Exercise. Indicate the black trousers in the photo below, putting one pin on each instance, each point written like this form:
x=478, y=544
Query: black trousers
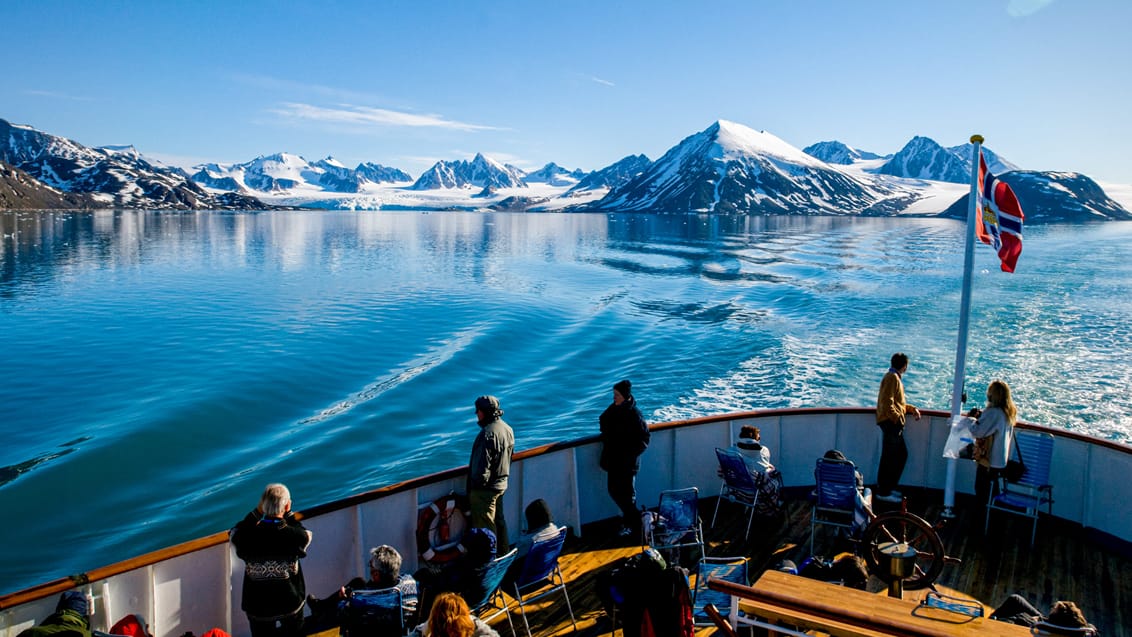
x=291, y=626
x=623, y=489
x=893, y=456
x=985, y=478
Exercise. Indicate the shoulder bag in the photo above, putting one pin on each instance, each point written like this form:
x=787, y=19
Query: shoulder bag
x=1015, y=469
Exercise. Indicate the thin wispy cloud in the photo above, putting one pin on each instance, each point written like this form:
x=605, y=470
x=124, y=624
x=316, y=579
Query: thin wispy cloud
x=57, y=95
x=1022, y=8
x=594, y=78
x=365, y=116
x=294, y=87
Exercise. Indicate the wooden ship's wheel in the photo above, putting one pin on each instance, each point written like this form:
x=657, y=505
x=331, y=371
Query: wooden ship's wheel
x=918, y=536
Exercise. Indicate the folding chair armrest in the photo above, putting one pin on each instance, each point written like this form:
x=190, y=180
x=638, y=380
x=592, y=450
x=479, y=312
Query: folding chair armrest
x=720, y=621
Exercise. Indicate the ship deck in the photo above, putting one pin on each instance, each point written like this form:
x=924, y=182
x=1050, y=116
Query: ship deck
x=1066, y=562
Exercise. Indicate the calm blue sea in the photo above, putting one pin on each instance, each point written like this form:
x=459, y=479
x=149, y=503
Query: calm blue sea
x=158, y=369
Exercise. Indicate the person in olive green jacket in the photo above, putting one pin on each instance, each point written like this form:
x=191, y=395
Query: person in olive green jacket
x=70, y=619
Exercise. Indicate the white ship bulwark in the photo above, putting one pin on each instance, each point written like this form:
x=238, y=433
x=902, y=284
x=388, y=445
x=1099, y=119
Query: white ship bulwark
x=196, y=585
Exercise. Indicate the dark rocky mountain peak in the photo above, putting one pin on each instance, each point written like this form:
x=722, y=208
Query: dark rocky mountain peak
x=923, y=158
x=1053, y=197
x=480, y=172
x=834, y=152
x=108, y=178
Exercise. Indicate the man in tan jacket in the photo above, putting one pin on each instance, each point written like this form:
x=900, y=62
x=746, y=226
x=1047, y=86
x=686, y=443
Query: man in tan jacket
x=891, y=411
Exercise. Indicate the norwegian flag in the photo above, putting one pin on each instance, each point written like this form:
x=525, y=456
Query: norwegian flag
x=1000, y=217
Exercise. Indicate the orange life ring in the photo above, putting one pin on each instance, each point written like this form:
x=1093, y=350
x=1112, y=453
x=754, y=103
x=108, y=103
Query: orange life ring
x=440, y=529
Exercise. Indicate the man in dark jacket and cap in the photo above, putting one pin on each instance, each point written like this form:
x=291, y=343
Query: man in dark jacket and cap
x=488, y=469
x=624, y=437
x=70, y=619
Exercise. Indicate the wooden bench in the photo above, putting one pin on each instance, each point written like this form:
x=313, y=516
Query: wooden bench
x=792, y=600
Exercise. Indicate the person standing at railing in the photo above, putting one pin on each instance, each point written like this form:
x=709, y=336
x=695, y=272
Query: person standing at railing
x=624, y=437
x=488, y=469
x=271, y=542
x=891, y=412
x=996, y=422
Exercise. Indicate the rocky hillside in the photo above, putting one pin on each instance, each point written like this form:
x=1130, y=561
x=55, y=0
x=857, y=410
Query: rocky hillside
x=21, y=191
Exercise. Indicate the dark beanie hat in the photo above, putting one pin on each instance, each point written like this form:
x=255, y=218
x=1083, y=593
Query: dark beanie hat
x=479, y=545
x=73, y=600
x=625, y=388
x=489, y=405
x=538, y=514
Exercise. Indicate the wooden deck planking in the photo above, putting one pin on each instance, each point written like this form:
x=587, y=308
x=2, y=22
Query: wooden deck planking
x=1063, y=564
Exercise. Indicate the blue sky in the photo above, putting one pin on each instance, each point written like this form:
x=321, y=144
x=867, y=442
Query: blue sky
x=579, y=83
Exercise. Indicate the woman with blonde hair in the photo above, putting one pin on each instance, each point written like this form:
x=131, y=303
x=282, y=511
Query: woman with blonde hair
x=997, y=420
x=450, y=617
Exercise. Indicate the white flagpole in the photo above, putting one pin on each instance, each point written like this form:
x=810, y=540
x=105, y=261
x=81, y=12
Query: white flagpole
x=964, y=315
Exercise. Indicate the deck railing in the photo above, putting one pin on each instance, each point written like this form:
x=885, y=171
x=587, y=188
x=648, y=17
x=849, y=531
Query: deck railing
x=196, y=585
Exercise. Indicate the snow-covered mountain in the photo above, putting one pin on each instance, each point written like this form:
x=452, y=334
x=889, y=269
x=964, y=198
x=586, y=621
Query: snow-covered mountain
x=730, y=168
x=378, y=174
x=996, y=164
x=835, y=152
x=481, y=172
x=1053, y=197
x=554, y=175
x=923, y=158
x=727, y=168
x=284, y=172
x=616, y=174
x=111, y=178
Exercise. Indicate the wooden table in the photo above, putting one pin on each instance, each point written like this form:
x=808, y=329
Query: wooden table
x=846, y=612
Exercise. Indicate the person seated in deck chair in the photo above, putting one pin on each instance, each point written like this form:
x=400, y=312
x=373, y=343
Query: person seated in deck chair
x=384, y=572
x=863, y=512
x=70, y=619
x=756, y=456
x=1063, y=615
x=462, y=573
x=540, y=527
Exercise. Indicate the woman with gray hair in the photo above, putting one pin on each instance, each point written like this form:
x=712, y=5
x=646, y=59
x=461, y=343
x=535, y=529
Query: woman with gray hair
x=384, y=572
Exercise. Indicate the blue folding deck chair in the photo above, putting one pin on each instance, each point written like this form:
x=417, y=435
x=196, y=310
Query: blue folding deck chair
x=484, y=597
x=731, y=569
x=540, y=569
x=738, y=485
x=374, y=613
x=678, y=524
x=836, y=495
x=1026, y=496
